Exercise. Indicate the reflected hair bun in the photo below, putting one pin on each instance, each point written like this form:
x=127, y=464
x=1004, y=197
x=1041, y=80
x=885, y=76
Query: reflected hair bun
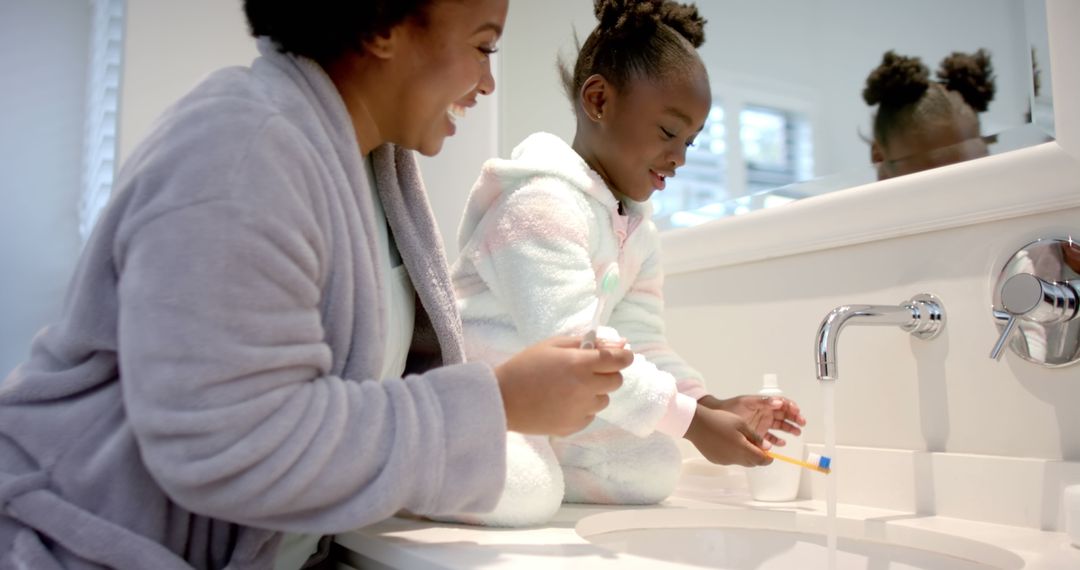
x=970, y=75
x=633, y=17
x=898, y=81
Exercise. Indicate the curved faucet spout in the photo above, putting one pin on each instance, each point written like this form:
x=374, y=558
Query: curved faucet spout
x=922, y=316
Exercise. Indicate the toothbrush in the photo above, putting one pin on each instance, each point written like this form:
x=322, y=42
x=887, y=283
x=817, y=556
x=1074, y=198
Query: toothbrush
x=605, y=288
x=814, y=462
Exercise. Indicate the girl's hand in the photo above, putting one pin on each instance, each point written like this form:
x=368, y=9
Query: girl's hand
x=725, y=438
x=762, y=413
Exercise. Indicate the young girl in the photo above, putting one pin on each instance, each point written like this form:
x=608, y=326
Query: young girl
x=542, y=229
x=922, y=123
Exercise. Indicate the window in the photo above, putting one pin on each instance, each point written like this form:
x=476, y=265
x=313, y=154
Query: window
x=776, y=148
x=102, y=98
x=744, y=153
x=698, y=180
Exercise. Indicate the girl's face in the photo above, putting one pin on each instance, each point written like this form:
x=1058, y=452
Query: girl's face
x=644, y=132
x=444, y=62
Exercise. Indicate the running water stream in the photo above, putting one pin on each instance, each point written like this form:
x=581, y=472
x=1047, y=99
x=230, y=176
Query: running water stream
x=830, y=480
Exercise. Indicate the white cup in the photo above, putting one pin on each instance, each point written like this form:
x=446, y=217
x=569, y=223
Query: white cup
x=778, y=481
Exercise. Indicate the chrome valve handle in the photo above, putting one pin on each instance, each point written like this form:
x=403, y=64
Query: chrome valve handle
x=1036, y=303
x=1025, y=296
x=1005, y=334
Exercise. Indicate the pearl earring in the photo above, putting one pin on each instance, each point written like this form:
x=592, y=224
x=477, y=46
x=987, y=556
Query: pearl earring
x=598, y=115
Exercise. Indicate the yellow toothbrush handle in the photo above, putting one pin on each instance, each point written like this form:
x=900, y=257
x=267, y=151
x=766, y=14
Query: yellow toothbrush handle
x=794, y=461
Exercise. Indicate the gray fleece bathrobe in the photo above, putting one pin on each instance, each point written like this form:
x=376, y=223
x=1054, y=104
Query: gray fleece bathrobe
x=211, y=382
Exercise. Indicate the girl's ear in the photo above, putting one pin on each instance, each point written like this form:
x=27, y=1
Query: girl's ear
x=595, y=95
x=876, y=154
x=877, y=158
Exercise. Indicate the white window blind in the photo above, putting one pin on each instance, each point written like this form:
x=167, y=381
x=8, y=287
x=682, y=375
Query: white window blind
x=102, y=102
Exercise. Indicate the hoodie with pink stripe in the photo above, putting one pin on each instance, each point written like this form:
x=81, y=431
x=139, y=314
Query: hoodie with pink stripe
x=538, y=233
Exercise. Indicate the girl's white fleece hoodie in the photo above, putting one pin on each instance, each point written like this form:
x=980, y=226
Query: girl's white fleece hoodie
x=538, y=233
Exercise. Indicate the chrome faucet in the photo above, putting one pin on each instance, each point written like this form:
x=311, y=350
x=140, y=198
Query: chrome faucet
x=923, y=316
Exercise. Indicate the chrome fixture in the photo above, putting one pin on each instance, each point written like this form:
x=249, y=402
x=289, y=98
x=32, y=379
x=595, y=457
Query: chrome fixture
x=1037, y=303
x=923, y=316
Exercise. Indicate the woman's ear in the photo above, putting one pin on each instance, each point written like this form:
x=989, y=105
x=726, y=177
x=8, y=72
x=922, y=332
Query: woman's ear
x=594, y=97
x=383, y=45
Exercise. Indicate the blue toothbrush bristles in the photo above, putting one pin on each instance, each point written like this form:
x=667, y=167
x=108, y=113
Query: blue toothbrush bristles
x=820, y=460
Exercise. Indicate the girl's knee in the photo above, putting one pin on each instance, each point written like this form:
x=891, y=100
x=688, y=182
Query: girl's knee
x=631, y=472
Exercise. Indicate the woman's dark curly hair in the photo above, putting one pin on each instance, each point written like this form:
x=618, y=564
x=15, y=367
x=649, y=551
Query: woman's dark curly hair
x=325, y=30
x=906, y=96
x=637, y=38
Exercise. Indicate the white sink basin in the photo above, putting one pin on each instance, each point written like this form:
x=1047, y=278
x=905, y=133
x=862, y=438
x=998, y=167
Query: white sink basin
x=764, y=539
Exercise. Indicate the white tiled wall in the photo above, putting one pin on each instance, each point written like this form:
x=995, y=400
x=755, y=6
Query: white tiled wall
x=735, y=323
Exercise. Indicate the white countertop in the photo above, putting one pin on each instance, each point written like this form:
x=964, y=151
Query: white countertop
x=420, y=544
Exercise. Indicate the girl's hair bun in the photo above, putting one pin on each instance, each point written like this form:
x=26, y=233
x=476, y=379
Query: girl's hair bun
x=898, y=81
x=970, y=75
x=629, y=17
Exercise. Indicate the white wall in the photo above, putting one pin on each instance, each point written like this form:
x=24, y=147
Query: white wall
x=43, y=56
x=735, y=323
x=168, y=48
x=531, y=98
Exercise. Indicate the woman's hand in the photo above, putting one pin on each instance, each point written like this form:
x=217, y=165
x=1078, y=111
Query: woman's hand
x=556, y=388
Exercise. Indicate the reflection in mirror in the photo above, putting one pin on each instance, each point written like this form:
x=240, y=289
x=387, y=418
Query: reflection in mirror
x=788, y=119
x=922, y=122
x=811, y=131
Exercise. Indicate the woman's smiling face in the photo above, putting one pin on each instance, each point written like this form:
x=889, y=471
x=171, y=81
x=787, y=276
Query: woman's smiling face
x=445, y=60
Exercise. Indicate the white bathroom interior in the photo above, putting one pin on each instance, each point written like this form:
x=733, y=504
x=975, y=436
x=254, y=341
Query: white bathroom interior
x=940, y=449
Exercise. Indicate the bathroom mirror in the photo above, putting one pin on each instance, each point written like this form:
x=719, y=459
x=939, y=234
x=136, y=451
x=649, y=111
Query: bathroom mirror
x=789, y=121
